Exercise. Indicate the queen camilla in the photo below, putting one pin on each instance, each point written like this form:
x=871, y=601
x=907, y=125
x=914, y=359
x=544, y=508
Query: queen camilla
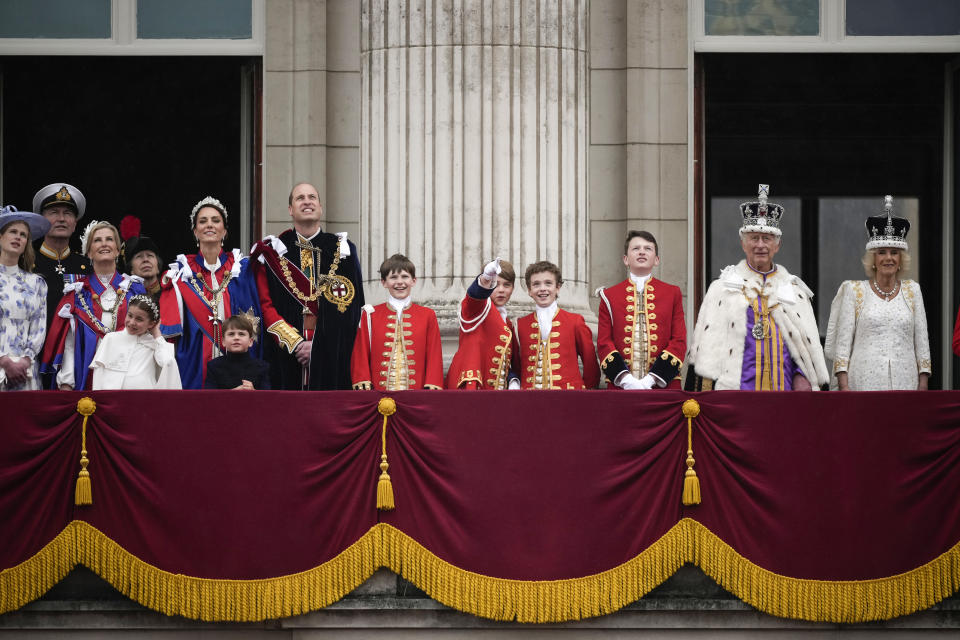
x=877, y=334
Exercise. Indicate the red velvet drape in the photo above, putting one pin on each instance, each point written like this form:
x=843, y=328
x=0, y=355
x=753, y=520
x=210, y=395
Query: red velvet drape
x=525, y=485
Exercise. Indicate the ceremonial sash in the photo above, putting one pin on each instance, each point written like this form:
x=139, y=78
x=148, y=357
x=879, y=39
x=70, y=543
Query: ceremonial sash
x=276, y=265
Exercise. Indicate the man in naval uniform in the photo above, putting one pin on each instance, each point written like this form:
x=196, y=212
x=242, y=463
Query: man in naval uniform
x=63, y=205
x=756, y=329
x=311, y=293
x=641, y=334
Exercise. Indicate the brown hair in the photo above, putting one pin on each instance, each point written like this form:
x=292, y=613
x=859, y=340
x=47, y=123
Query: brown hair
x=540, y=267
x=397, y=262
x=241, y=322
x=507, y=272
x=293, y=188
x=646, y=235
x=146, y=304
x=27, y=259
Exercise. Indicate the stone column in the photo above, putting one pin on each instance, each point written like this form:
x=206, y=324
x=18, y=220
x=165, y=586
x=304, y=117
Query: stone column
x=474, y=142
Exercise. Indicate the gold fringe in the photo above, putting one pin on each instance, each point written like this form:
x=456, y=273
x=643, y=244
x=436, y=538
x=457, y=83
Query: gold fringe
x=533, y=600
x=497, y=598
x=228, y=600
x=387, y=407
x=35, y=576
x=687, y=542
x=822, y=600
x=691, y=483
x=83, y=495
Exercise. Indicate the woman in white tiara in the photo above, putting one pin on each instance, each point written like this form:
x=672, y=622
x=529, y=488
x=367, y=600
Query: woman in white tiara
x=877, y=334
x=137, y=357
x=200, y=291
x=92, y=306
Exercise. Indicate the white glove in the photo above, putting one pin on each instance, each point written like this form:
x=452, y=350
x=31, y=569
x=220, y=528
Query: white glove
x=630, y=382
x=492, y=269
x=513, y=385
x=648, y=381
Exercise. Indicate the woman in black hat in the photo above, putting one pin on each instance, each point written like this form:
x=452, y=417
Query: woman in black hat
x=877, y=335
x=141, y=255
x=23, y=298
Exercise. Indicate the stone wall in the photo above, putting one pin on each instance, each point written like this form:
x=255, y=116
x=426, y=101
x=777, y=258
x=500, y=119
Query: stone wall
x=638, y=126
x=311, y=101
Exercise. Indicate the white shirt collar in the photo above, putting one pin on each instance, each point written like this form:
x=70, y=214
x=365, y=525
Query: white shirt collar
x=398, y=305
x=310, y=238
x=502, y=311
x=640, y=281
x=545, y=319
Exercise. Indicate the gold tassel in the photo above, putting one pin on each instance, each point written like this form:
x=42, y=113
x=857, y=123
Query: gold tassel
x=84, y=492
x=691, y=483
x=387, y=407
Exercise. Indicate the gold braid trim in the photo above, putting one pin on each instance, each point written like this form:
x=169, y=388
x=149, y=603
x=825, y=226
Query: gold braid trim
x=286, y=334
x=497, y=598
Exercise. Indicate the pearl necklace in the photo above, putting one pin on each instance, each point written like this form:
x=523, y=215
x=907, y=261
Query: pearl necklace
x=886, y=295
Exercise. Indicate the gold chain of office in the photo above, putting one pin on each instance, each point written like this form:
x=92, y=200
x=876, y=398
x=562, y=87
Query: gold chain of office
x=216, y=294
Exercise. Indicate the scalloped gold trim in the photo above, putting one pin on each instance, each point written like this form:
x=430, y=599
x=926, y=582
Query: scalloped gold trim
x=497, y=598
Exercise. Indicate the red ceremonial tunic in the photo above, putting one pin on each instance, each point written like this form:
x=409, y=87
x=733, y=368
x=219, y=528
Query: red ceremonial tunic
x=553, y=364
x=645, y=336
x=388, y=360
x=488, y=347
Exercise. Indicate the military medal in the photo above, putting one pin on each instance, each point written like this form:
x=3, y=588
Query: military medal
x=60, y=268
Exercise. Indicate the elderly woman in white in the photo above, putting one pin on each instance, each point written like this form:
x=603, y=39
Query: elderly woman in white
x=877, y=335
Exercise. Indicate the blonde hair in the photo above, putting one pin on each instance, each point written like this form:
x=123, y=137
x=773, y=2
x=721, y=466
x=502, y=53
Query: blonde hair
x=27, y=259
x=869, y=261
x=92, y=230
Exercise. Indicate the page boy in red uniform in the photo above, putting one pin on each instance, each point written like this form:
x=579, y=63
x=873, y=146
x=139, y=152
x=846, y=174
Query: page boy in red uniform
x=552, y=339
x=398, y=342
x=488, y=348
x=641, y=334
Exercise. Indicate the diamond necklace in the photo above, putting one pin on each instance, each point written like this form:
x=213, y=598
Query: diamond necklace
x=886, y=295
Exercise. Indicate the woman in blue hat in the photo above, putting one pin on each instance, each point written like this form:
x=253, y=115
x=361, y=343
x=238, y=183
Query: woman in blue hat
x=23, y=299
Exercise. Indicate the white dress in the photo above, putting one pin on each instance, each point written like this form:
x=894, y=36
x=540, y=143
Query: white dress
x=881, y=345
x=23, y=321
x=126, y=361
